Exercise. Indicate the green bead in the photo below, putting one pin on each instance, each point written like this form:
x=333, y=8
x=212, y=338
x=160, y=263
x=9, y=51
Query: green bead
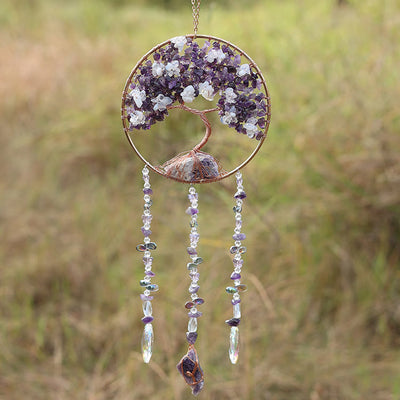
x=198, y=260
x=231, y=289
x=237, y=209
x=152, y=287
x=151, y=246
x=191, y=266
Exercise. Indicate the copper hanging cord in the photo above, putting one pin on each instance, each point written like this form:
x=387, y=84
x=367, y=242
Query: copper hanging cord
x=196, y=13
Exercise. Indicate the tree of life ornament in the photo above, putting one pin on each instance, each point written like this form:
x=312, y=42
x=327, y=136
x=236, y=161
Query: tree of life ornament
x=172, y=75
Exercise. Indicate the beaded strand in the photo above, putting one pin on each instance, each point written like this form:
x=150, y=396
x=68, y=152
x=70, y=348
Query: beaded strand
x=192, y=267
x=237, y=250
x=146, y=248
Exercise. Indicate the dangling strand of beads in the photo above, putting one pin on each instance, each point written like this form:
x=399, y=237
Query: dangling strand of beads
x=192, y=267
x=238, y=287
x=189, y=365
x=146, y=247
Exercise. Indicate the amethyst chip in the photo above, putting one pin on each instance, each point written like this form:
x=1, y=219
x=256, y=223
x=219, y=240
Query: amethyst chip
x=237, y=263
x=146, y=232
x=233, y=321
x=192, y=211
x=148, y=319
x=197, y=314
x=235, y=276
x=191, y=251
x=240, y=194
x=146, y=298
x=239, y=236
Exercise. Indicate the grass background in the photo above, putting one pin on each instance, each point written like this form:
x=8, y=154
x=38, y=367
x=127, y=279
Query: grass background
x=322, y=314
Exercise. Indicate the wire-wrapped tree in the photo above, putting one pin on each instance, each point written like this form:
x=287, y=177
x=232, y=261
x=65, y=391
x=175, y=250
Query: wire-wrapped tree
x=173, y=74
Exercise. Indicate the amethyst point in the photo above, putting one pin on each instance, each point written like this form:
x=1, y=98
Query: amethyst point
x=189, y=368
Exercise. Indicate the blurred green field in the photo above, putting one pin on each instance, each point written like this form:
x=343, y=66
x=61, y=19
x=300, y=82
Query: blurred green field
x=322, y=314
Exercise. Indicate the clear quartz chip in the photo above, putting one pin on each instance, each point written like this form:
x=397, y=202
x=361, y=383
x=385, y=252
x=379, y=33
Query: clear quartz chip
x=192, y=325
x=147, y=308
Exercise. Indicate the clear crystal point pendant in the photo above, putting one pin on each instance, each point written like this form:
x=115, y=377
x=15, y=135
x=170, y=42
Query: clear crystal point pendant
x=168, y=79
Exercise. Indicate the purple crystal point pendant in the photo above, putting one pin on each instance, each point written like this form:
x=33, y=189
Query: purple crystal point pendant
x=237, y=250
x=148, y=333
x=189, y=368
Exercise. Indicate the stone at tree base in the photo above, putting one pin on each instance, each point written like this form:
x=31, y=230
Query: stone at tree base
x=193, y=167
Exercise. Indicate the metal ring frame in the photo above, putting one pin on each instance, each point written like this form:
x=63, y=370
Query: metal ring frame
x=157, y=169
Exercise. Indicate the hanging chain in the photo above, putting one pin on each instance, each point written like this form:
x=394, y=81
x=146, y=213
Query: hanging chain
x=196, y=12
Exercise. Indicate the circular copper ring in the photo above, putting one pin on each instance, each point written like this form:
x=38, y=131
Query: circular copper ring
x=220, y=177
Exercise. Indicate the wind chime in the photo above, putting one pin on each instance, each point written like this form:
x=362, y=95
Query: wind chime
x=170, y=76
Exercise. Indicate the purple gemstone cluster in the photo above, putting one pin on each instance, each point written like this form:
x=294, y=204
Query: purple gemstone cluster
x=185, y=68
